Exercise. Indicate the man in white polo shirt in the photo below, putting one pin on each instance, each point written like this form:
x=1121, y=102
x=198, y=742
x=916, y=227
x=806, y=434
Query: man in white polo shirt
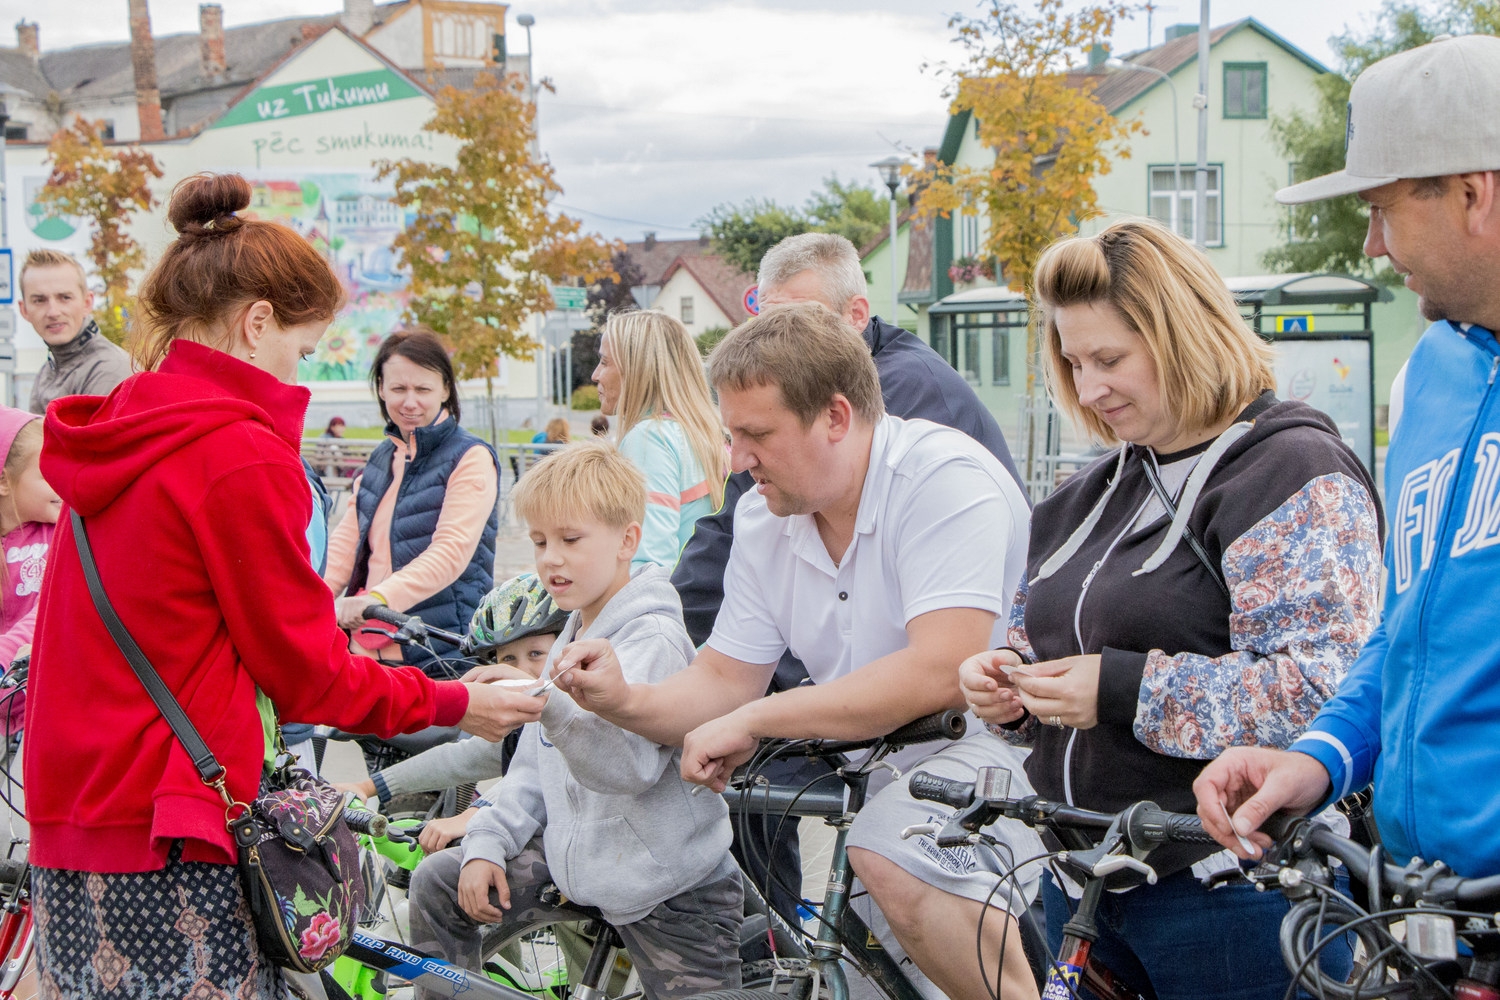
x=882, y=552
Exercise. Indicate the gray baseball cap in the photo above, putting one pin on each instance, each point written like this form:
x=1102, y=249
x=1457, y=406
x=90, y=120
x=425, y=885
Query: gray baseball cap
x=1426, y=112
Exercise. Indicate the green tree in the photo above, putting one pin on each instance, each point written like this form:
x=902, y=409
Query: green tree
x=106, y=186
x=853, y=210
x=482, y=247
x=1329, y=235
x=743, y=233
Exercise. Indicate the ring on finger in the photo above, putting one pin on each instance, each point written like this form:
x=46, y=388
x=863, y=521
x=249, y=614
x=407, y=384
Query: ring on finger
x=1055, y=720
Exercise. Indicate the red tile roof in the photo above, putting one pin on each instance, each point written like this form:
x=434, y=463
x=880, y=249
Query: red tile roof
x=724, y=283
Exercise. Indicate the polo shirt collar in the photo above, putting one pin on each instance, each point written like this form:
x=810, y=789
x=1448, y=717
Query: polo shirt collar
x=801, y=530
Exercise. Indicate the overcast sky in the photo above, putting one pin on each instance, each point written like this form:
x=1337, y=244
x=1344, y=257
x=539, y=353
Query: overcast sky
x=665, y=108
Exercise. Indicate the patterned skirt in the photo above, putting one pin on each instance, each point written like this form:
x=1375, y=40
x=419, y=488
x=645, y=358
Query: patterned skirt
x=182, y=932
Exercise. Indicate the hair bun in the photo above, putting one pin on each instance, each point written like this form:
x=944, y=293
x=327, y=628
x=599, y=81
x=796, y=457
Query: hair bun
x=208, y=202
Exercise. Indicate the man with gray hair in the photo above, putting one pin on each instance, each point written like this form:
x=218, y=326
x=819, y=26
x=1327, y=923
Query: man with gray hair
x=915, y=382
x=881, y=552
x=1419, y=712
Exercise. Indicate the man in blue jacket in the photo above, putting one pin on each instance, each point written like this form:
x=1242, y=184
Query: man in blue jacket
x=1420, y=711
x=914, y=381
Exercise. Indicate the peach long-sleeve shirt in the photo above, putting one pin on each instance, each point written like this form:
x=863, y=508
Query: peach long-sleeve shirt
x=467, y=503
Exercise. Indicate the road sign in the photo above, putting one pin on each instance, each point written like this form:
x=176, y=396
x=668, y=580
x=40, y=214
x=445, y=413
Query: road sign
x=568, y=297
x=751, y=300
x=7, y=276
x=1295, y=324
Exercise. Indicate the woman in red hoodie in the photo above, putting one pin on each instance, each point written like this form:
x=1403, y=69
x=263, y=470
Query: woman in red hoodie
x=189, y=481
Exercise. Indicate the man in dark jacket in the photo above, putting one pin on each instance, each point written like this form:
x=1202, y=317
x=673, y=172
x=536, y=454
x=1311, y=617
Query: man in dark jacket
x=915, y=382
x=56, y=301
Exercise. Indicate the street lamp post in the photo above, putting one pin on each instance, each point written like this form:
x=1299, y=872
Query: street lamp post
x=1176, y=213
x=890, y=172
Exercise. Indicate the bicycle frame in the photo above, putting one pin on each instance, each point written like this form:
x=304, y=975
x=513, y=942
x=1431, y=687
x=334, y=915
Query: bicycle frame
x=841, y=932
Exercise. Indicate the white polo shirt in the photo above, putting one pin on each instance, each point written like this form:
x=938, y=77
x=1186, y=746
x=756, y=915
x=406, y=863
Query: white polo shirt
x=941, y=524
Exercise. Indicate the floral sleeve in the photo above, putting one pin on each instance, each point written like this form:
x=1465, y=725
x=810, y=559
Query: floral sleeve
x=1305, y=585
x=1015, y=635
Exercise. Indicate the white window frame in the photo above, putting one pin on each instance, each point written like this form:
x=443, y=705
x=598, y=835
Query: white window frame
x=1181, y=207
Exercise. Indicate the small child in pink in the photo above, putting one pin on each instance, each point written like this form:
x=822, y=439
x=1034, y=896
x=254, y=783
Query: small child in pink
x=28, y=513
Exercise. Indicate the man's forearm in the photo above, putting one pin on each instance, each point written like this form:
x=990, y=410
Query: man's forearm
x=875, y=700
x=667, y=711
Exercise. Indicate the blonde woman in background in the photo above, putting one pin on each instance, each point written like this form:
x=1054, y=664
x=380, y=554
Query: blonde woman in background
x=650, y=379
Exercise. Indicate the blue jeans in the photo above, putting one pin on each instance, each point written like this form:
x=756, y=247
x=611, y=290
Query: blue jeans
x=1186, y=942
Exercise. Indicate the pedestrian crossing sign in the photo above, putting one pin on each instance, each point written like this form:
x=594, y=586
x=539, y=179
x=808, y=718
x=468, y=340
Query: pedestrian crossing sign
x=1294, y=324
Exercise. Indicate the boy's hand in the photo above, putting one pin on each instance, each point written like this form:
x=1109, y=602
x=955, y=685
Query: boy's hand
x=495, y=711
x=475, y=880
x=439, y=833
x=364, y=789
x=596, y=683
x=711, y=752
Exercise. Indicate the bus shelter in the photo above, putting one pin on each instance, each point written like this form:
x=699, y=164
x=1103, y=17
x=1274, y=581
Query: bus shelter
x=1325, y=344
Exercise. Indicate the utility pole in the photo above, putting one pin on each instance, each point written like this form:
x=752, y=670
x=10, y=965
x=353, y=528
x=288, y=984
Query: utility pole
x=1200, y=101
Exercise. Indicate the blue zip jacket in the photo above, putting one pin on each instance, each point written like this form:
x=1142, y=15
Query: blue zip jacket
x=1419, y=713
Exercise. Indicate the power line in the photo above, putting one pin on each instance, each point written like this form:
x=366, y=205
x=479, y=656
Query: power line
x=616, y=218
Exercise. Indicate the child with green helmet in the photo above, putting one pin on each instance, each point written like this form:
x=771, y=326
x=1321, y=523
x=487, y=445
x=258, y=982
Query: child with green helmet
x=520, y=622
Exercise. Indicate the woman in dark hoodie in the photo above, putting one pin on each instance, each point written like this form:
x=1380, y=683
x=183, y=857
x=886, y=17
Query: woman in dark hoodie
x=1205, y=585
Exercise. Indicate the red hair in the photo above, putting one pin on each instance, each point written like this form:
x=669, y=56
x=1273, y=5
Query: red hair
x=220, y=264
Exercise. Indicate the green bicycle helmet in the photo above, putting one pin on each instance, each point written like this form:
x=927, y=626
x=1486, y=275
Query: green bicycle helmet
x=516, y=609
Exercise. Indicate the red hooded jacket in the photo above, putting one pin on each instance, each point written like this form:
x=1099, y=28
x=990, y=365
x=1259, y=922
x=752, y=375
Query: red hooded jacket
x=189, y=481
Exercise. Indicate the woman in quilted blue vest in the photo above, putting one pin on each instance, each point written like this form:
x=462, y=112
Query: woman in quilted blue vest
x=420, y=533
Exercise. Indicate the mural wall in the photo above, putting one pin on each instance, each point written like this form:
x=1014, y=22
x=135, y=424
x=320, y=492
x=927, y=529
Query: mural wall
x=309, y=139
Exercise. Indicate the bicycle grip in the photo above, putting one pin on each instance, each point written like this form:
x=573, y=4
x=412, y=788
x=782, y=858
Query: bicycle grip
x=363, y=821
x=1185, y=828
x=949, y=791
x=381, y=613
x=948, y=724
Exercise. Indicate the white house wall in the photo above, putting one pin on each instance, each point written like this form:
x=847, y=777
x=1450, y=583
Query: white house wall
x=313, y=157
x=706, y=314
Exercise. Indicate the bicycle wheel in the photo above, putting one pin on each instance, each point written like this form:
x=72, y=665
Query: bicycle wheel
x=543, y=959
x=770, y=978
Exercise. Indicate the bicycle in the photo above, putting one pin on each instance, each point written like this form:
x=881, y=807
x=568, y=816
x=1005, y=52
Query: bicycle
x=800, y=969
x=1111, y=850
x=793, y=966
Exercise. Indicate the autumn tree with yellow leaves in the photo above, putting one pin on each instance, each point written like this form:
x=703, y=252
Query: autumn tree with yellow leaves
x=1050, y=136
x=106, y=187
x=482, y=247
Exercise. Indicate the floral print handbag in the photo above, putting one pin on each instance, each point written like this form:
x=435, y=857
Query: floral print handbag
x=299, y=864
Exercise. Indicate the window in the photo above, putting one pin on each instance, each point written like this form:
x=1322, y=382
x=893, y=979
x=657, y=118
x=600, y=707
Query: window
x=942, y=339
x=1244, y=90
x=108, y=131
x=969, y=236
x=970, y=370
x=970, y=331
x=1177, y=212
x=1000, y=355
x=686, y=304
x=15, y=133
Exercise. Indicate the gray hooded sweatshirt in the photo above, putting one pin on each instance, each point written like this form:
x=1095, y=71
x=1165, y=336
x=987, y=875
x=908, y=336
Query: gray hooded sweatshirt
x=620, y=828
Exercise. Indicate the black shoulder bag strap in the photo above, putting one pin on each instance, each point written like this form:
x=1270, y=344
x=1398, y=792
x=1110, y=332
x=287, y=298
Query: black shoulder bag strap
x=1166, y=501
x=208, y=766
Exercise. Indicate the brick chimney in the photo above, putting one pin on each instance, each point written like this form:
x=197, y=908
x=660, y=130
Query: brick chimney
x=211, y=39
x=650, y=240
x=143, y=61
x=28, y=38
x=359, y=16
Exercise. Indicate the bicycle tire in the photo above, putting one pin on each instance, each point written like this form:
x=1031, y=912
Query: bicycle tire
x=740, y=994
x=541, y=958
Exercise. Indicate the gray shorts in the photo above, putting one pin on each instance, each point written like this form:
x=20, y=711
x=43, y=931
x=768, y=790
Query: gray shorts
x=970, y=872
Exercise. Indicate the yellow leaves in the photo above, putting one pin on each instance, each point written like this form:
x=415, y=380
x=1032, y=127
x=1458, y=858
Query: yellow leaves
x=482, y=227
x=1049, y=137
x=107, y=187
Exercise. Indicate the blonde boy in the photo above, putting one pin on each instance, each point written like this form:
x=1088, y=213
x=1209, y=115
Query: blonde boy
x=599, y=811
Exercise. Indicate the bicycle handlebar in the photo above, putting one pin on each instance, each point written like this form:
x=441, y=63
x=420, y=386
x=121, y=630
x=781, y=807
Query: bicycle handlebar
x=364, y=821
x=410, y=628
